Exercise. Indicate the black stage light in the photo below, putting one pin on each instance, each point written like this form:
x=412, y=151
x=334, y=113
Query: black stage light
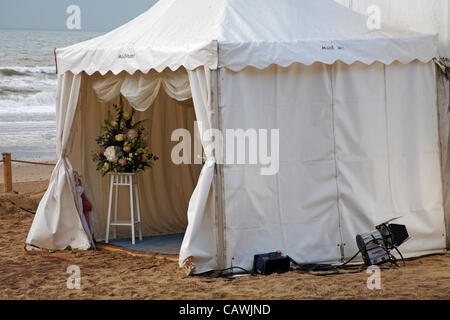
x=375, y=246
x=270, y=263
x=399, y=233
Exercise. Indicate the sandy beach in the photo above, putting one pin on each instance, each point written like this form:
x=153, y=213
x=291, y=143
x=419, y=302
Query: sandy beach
x=28, y=173
x=119, y=275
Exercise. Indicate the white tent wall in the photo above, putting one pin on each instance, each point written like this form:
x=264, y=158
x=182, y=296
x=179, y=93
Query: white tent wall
x=389, y=162
x=426, y=16
x=165, y=190
x=294, y=211
x=349, y=159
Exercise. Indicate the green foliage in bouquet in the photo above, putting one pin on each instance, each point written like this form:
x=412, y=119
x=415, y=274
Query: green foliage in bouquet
x=122, y=146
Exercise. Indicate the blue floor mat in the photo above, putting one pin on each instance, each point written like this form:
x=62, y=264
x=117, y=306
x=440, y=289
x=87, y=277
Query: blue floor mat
x=167, y=244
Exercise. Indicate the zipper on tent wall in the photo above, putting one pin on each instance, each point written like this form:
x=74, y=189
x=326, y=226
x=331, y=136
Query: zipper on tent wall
x=388, y=134
x=218, y=175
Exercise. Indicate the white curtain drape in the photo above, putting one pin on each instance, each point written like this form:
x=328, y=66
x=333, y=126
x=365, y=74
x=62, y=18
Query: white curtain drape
x=141, y=89
x=198, y=251
x=58, y=223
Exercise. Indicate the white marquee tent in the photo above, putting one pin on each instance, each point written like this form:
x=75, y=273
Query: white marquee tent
x=356, y=112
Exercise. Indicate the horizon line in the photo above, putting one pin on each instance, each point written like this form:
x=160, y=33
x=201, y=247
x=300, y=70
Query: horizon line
x=43, y=29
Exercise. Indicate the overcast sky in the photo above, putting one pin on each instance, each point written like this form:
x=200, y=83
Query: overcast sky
x=96, y=15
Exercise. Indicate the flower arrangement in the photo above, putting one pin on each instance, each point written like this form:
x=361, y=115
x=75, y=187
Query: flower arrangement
x=122, y=146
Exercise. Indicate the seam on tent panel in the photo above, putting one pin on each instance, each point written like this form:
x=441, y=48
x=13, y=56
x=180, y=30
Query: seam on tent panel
x=218, y=179
x=388, y=144
x=340, y=245
x=221, y=171
x=277, y=178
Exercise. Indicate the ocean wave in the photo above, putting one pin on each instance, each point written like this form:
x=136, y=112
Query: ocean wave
x=6, y=91
x=11, y=72
x=29, y=99
x=25, y=71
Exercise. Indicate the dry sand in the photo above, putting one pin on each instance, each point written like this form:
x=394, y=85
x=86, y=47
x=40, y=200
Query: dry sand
x=25, y=173
x=118, y=275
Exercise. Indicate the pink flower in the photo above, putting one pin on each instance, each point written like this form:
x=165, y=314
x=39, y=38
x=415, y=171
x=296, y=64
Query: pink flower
x=123, y=162
x=101, y=150
x=99, y=156
x=125, y=131
x=140, y=158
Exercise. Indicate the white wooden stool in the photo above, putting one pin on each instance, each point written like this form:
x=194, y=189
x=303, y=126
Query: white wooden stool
x=128, y=180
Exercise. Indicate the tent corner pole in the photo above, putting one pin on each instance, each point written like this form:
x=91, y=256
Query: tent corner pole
x=443, y=122
x=56, y=61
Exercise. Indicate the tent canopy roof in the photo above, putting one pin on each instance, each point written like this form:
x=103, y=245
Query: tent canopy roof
x=236, y=34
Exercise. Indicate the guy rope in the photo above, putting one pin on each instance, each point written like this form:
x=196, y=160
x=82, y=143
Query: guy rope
x=7, y=169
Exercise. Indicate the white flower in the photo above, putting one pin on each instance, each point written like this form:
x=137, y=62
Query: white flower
x=110, y=154
x=132, y=134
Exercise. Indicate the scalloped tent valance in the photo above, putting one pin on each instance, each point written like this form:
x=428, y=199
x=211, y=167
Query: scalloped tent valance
x=236, y=34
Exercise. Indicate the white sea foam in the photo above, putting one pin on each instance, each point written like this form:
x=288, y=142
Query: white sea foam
x=18, y=71
x=36, y=99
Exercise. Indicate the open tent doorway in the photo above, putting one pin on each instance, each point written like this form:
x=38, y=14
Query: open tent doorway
x=164, y=190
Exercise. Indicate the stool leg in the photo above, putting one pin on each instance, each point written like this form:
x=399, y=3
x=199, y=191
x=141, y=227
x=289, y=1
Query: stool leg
x=138, y=210
x=109, y=208
x=115, y=212
x=133, y=241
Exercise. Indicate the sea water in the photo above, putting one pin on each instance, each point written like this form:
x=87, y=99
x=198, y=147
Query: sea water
x=28, y=90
